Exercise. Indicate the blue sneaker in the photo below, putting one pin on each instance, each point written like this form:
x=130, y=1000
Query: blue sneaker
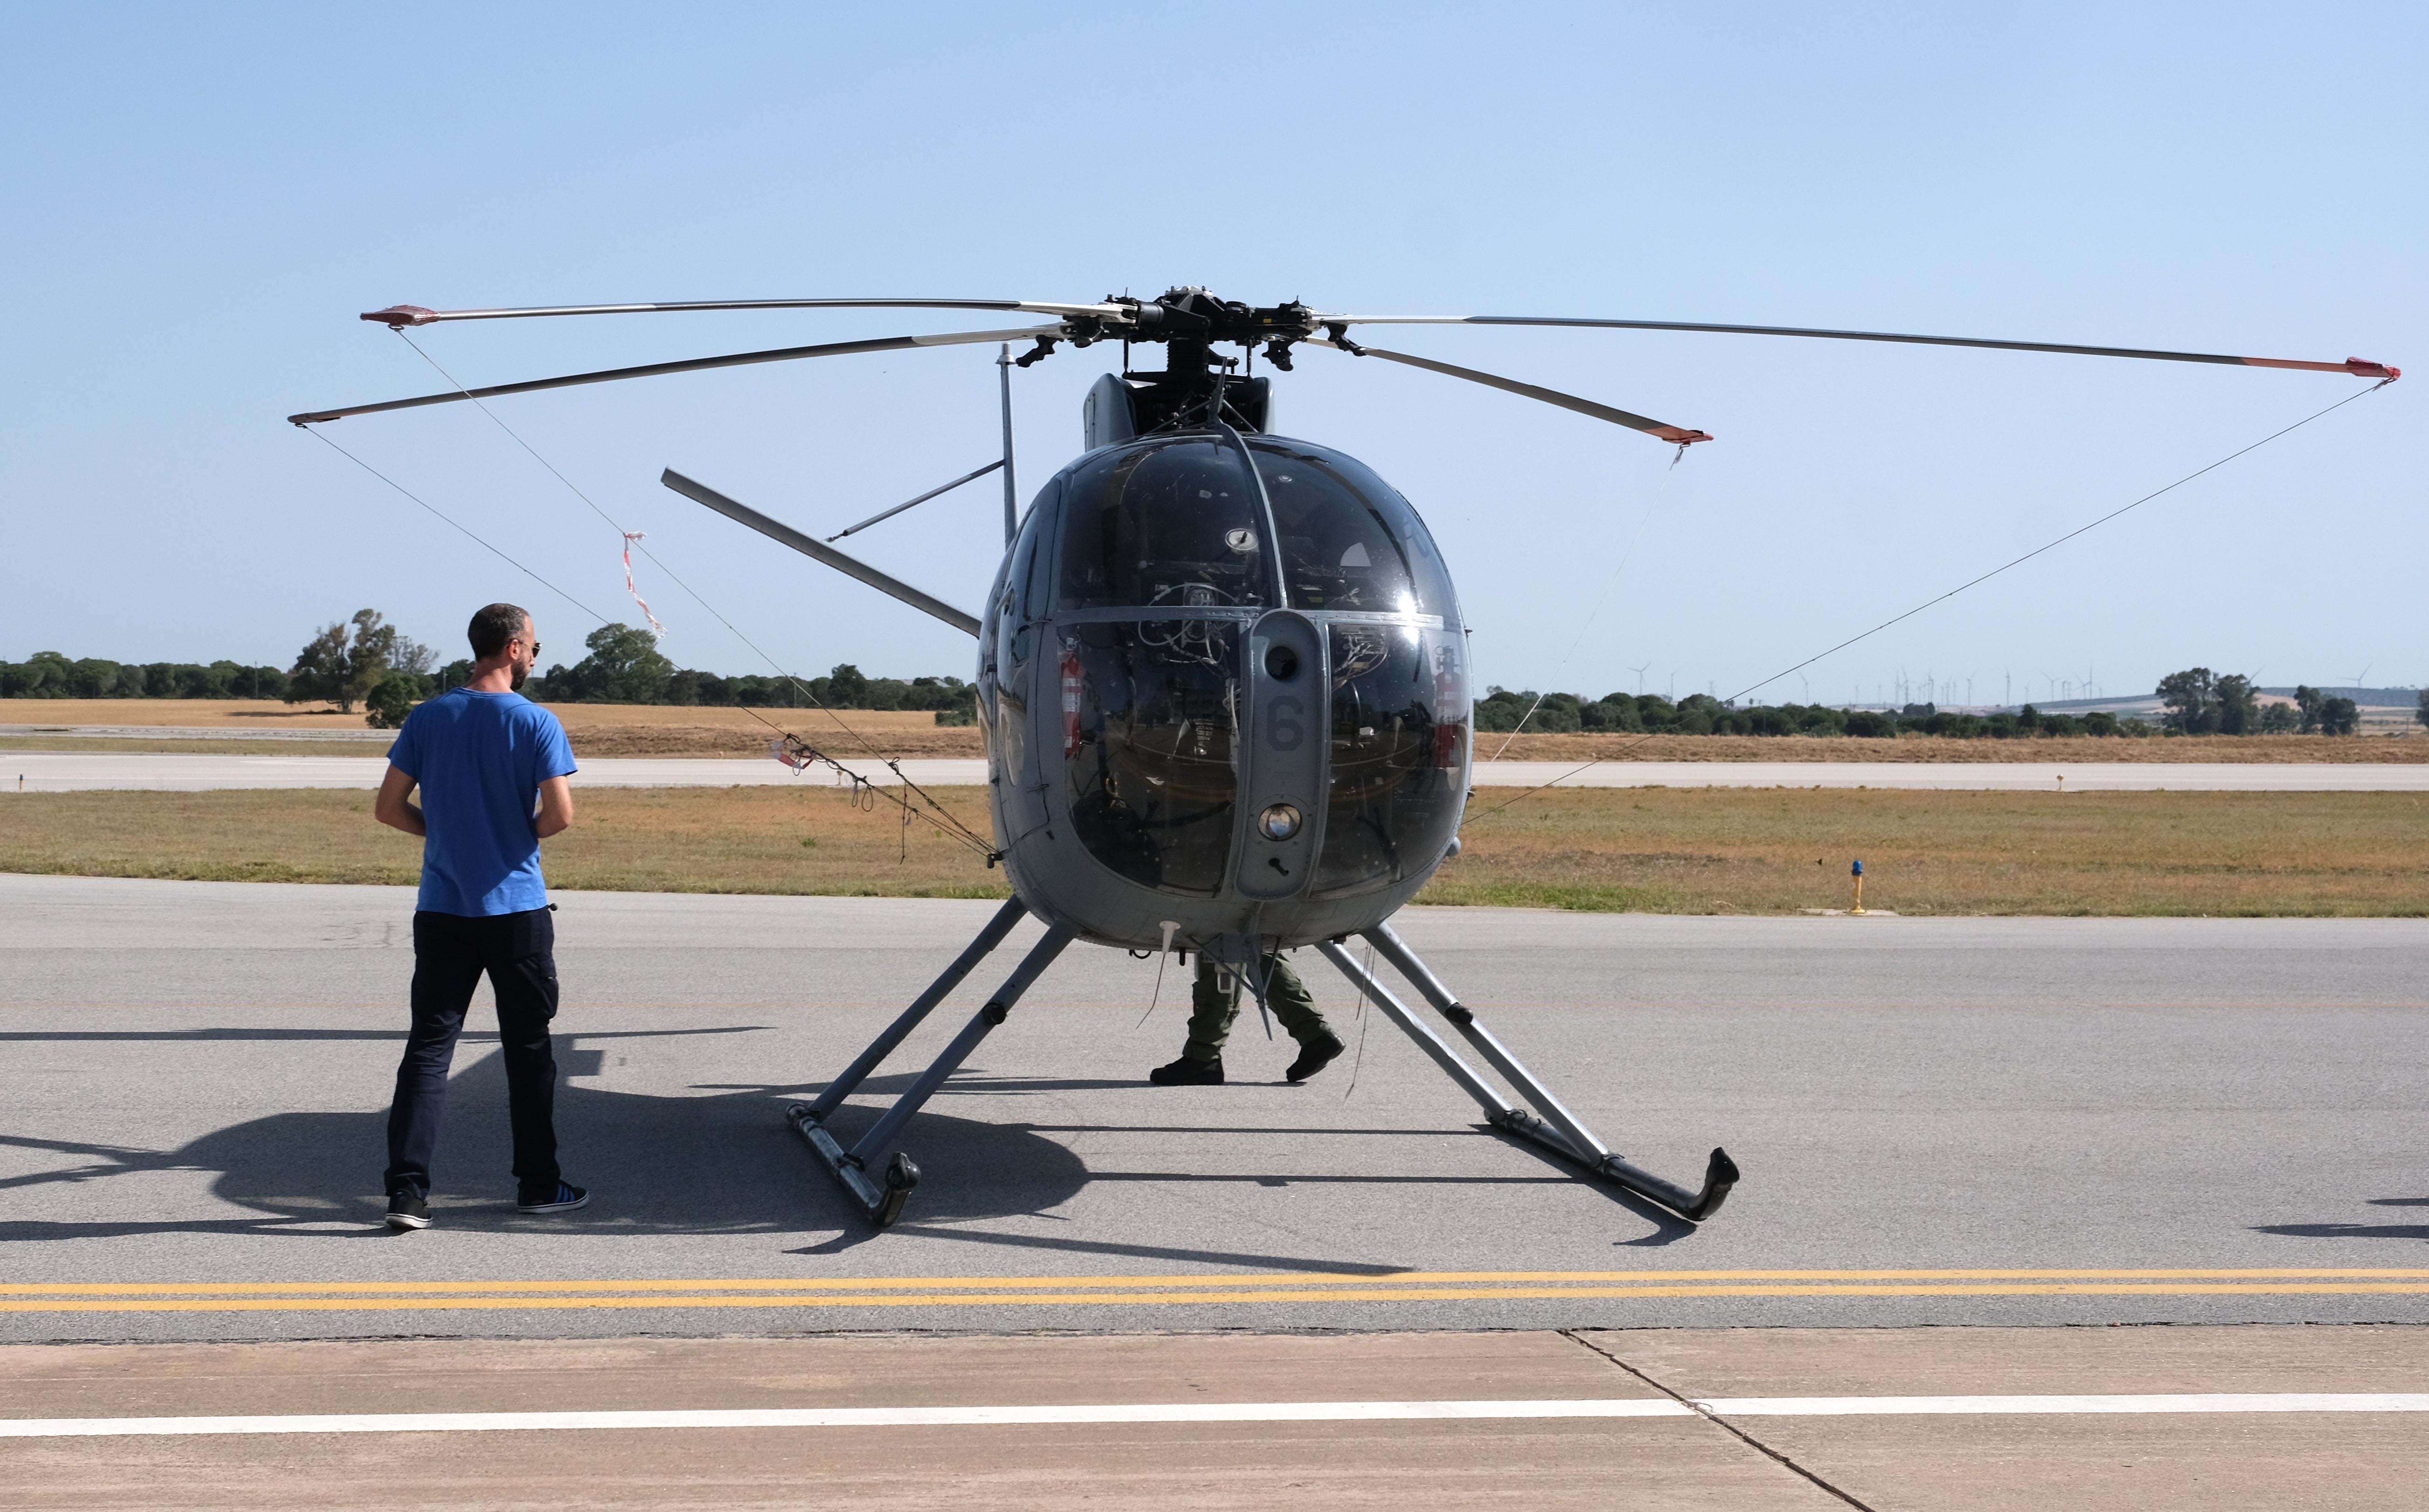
x=563, y=1200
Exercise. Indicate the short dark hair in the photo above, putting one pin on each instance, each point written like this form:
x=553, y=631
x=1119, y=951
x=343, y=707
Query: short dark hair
x=493, y=626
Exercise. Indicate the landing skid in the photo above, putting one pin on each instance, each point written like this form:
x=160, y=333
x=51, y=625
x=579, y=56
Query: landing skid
x=1558, y=1131
x=881, y=1198
x=882, y=1203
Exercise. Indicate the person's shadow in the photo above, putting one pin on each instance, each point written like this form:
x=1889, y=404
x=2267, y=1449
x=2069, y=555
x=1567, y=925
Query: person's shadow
x=723, y=1161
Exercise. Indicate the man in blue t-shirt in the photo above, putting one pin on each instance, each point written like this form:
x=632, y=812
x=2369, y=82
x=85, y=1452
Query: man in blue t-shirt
x=492, y=767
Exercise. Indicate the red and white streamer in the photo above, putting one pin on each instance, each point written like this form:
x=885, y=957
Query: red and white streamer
x=630, y=536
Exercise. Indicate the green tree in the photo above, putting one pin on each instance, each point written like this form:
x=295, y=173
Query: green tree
x=388, y=704
x=344, y=662
x=2238, y=705
x=92, y=677
x=623, y=666
x=2279, y=719
x=2191, y=697
x=846, y=688
x=368, y=659
x=2338, y=716
x=2309, y=701
x=2421, y=713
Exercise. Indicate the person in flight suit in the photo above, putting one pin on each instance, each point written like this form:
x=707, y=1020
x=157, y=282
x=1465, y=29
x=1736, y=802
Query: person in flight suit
x=1215, y=1002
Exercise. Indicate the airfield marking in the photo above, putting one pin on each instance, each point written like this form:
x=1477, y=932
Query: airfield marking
x=1413, y=1286
x=2263, y=1402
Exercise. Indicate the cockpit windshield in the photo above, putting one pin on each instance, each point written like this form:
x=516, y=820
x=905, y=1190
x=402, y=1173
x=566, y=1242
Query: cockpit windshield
x=1175, y=524
x=1349, y=540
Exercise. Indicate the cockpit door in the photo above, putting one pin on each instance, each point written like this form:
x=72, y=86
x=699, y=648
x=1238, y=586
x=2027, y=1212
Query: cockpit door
x=1282, y=758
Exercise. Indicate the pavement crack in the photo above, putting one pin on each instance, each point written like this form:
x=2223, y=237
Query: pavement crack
x=1717, y=1421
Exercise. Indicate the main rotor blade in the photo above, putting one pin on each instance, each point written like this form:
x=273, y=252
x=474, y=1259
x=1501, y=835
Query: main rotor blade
x=417, y=315
x=1549, y=396
x=811, y=546
x=832, y=348
x=2358, y=367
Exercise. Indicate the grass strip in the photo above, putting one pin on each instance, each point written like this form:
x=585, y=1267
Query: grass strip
x=1659, y=850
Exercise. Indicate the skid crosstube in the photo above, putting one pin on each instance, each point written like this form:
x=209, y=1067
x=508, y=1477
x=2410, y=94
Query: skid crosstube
x=1557, y=1130
x=882, y=1202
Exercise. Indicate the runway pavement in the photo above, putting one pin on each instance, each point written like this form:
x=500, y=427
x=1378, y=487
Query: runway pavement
x=1946, y=1120
x=75, y=771
x=2217, y=1420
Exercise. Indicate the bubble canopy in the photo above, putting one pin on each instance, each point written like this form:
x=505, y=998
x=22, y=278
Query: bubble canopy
x=1178, y=521
x=1154, y=559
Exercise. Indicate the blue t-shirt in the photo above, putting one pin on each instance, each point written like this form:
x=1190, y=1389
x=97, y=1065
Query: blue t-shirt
x=480, y=759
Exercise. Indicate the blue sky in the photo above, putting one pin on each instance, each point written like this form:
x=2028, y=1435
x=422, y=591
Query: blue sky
x=201, y=198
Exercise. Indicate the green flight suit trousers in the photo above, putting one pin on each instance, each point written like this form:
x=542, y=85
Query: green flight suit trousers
x=1215, y=1002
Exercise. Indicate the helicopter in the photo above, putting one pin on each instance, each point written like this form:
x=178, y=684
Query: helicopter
x=1222, y=678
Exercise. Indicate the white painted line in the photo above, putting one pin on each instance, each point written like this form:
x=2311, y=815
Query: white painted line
x=1818, y=1407
x=1840, y=1406
x=837, y=1417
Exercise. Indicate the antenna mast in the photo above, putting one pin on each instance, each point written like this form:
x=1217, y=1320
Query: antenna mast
x=1011, y=491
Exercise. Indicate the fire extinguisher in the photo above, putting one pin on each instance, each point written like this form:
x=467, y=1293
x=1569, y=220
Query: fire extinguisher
x=1450, y=707
x=1070, y=700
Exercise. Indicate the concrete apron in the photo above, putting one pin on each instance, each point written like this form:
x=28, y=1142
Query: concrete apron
x=1635, y=1442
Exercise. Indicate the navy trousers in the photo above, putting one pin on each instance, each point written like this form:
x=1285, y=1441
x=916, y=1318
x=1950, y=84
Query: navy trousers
x=450, y=953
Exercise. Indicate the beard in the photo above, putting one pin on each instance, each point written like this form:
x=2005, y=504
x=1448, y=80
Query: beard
x=515, y=682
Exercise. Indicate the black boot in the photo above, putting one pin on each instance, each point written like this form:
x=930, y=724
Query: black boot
x=1187, y=1073
x=1314, y=1056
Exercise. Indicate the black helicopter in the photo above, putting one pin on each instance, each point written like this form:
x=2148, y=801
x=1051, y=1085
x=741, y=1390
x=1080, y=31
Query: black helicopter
x=1222, y=677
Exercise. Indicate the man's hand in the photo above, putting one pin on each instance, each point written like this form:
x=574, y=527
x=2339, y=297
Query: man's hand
x=556, y=806
x=391, y=808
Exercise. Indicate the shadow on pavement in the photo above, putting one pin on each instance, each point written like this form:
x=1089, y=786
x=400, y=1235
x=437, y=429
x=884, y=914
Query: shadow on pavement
x=724, y=1161
x=2412, y=1231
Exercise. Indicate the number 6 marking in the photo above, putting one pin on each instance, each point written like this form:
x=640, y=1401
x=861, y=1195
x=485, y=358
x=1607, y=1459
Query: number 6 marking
x=1284, y=732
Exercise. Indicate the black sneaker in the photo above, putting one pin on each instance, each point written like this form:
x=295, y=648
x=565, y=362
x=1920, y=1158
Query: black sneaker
x=563, y=1200
x=1187, y=1073
x=407, y=1211
x=1314, y=1056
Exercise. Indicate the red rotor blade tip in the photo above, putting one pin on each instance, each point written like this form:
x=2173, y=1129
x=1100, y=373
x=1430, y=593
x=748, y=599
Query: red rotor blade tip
x=401, y=315
x=2364, y=367
x=1681, y=435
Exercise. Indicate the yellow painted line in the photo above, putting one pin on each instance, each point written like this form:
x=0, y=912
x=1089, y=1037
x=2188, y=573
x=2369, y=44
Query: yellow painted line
x=937, y=1299
x=1396, y=1278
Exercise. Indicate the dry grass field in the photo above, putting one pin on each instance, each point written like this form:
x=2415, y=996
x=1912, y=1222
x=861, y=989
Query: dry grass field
x=801, y=838
x=1672, y=850
x=651, y=730
x=2076, y=749
x=185, y=746
x=1721, y=850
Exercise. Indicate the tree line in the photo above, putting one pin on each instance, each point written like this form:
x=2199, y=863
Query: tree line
x=2196, y=701
x=364, y=660
x=2201, y=702
x=1501, y=711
